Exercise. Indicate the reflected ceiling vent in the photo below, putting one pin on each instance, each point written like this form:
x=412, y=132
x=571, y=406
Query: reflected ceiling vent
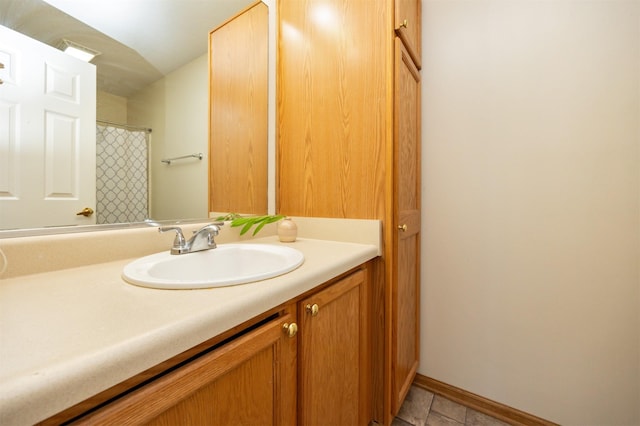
x=77, y=50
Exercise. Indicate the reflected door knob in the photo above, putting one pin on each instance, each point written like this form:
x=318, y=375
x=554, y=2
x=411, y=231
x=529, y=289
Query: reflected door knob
x=403, y=227
x=86, y=212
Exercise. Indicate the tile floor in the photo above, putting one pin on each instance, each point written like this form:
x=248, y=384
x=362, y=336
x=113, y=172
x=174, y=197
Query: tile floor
x=423, y=408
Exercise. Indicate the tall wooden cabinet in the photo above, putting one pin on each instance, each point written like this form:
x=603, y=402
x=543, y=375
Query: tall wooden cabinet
x=348, y=146
x=405, y=291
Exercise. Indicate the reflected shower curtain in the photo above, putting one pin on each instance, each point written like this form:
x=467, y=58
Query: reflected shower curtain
x=121, y=175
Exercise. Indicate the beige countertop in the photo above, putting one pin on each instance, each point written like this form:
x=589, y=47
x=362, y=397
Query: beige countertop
x=66, y=335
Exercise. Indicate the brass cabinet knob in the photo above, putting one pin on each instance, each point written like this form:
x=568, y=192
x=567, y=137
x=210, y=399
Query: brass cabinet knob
x=403, y=227
x=86, y=212
x=290, y=329
x=313, y=309
x=405, y=23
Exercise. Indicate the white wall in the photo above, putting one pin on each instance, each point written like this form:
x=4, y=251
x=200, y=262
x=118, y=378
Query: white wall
x=531, y=181
x=176, y=108
x=111, y=108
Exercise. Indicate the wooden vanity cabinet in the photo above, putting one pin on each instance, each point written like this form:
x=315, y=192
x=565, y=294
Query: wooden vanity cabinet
x=308, y=363
x=247, y=381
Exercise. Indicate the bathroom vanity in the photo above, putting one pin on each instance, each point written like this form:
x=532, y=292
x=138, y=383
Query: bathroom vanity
x=291, y=349
x=311, y=354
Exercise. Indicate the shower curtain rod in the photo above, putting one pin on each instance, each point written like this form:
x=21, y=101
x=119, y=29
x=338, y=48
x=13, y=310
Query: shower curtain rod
x=125, y=126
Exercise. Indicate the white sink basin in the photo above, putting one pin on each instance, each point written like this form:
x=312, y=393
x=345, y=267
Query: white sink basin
x=228, y=264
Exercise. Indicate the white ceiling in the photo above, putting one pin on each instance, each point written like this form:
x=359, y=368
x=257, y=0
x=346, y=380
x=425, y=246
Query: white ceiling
x=140, y=40
x=167, y=33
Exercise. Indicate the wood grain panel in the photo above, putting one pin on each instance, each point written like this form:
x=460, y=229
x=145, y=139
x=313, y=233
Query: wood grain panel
x=406, y=326
x=405, y=294
x=334, y=373
x=378, y=339
x=238, y=85
x=250, y=380
x=407, y=131
x=348, y=145
x=122, y=388
x=251, y=388
x=332, y=103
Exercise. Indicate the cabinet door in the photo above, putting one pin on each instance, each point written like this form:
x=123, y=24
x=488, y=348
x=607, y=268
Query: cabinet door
x=405, y=301
x=408, y=25
x=333, y=355
x=248, y=381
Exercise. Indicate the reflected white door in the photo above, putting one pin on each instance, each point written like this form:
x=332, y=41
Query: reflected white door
x=47, y=135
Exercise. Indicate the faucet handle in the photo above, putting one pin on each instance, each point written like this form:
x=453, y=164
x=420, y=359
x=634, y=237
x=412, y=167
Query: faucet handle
x=212, y=227
x=178, y=242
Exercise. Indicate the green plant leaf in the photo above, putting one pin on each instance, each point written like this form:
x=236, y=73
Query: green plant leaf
x=259, y=227
x=249, y=221
x=239, y=221
x=246, y=227
x=266, y=220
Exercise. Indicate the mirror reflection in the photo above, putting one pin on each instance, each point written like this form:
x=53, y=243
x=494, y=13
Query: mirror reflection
x=151, y=74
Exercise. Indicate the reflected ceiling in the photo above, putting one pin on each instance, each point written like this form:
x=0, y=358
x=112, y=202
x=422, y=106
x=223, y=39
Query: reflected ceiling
x=140, y=40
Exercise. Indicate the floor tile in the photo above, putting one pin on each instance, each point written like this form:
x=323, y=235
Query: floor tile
x=415, y=408
x=399, y=422
x=476, y=418
x=449, y=409
x=423, y=408
x=437, y=419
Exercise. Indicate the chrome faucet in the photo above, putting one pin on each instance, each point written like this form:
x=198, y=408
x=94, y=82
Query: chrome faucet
x=203, y=238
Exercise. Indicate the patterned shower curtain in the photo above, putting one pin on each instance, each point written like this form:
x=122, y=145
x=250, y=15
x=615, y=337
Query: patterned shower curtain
x=121, y=175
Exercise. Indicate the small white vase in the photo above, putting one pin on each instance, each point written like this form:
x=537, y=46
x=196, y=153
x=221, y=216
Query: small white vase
x=287, y=230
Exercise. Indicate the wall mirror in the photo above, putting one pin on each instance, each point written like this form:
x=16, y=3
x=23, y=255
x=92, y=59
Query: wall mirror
x=134, y=69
